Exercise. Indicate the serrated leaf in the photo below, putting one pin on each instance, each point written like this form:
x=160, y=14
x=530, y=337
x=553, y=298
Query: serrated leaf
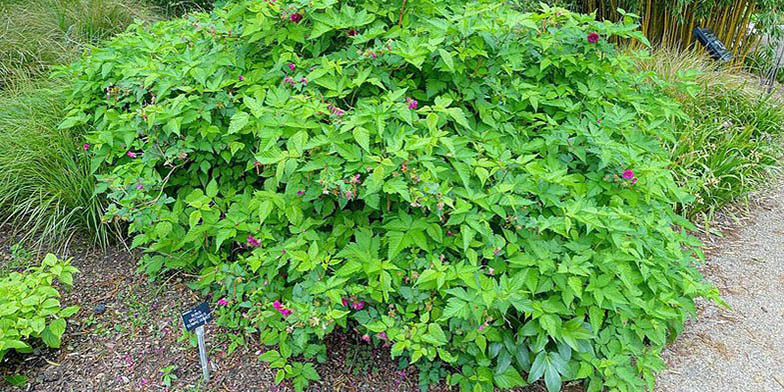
x=238, y=121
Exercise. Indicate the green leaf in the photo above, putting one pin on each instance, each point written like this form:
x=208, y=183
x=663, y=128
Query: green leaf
x=362, y=137
x=510, y=378
x=50, y=339
x=396, y=243
x=450, y=63
x=459, y=117
x=238, y=121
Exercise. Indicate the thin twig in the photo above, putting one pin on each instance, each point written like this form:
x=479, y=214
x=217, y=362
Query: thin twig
x=402, y=10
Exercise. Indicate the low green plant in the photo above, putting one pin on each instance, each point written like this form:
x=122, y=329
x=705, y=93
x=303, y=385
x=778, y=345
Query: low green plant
x=475, y=186
x=29, y=306
x=730, y=142
x=46, y=188
x=168, y=375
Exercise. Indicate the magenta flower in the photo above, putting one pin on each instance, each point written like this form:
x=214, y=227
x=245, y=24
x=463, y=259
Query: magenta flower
x=296, y=18
x=634, y=180
x=359, y=305
x=284, y=251
x=628, y=175
x=593, y=38
x=344, y=301
x=257, y=164
x=366, y=338
x=412, y=103
x=253, y=242
x=496, y=251
x=86, y=147
x=300, y=193
x=139, y=187
x=279, y=307
x=222, y=302
x=373, y=54
x=382, y=335
x=482, y=327
x=304, y=81
x=241, y=78
x=131, y=154
x=143, y=382
x=292, y=67
x=289, y=80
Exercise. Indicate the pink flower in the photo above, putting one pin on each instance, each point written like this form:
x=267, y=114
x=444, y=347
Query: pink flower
x=289, y=80
x=253, y=242
x=241, y=78
x=628, y=175
x=304, y=81
x=634, y=180
x=382, y=335
x=139, y=187
x=359, y=305
x=491, y=271
x=345, y=302
x=598, y=121
x=277, y=305
x=131, y=154
x=496, y=251
x=295, y=18
x=86, y=147
x=257, y=164
x=593, y=38
x=292, y=67
x=482, y=327
x=412, y=103
x=222, y=302
x=373, y=54
x=366, y=338
x=300, y=193
x=285, y=312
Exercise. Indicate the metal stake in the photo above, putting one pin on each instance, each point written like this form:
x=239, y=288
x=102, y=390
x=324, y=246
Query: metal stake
x=203, y=354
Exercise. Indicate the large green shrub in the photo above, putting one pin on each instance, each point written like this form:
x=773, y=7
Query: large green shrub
x=29, y=307
x=444, y=176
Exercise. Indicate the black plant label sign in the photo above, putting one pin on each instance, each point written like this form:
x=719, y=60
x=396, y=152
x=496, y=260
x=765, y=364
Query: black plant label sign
x=197, y=316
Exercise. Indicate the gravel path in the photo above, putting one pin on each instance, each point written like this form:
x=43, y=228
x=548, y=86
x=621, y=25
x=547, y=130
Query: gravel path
x=741, y=349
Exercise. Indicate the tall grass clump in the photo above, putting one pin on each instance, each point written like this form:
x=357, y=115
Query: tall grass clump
x=176, y=8
x=36, y=34
x=730, y=143
x=46, y=190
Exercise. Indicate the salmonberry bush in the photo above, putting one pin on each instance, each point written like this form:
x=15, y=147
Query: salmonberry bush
x=481, y=189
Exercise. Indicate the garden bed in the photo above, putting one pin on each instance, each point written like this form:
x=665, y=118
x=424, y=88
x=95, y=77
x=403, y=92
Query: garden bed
x=139, y=334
